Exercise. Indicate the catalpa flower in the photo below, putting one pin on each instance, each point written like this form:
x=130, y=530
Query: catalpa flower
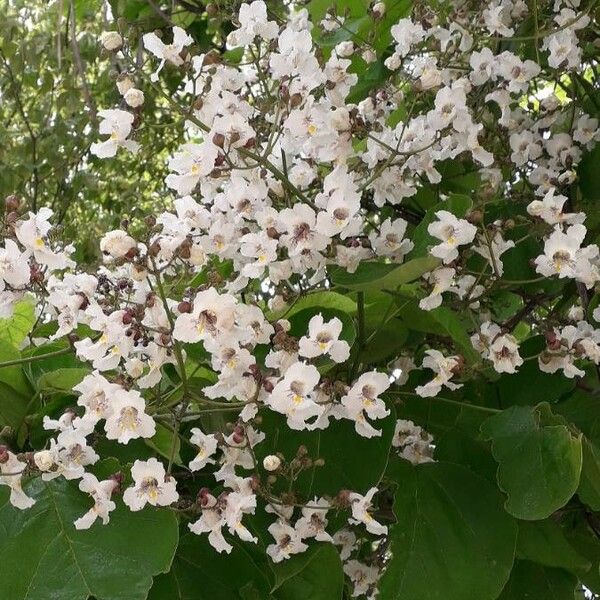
x=206, y=445
x=253, y=23
x=11, y=469
x=361, y=512
x=96, y=394
x=563, y=255
x=452, y=232
x=117, y=125
x=212, y=313
x=128, y=419
x=292, y=396
x=191, y=163
x=363, y=398
x=167, y=52
x=287, y=542
x=313, y=521
x=323, y=338
x=14, y=266
x=33, y=234
x=100, y=491
x=151, y=485
x=444, y=368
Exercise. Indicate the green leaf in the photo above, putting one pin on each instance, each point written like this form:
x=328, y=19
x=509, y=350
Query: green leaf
x=589, y=174
x=45, y=557
x=543, y=542
x=380, y=276
x=589, y=485
x=166, y=443
x=529, y=581
x=453, y=326
x=14, y=329
x=316, y=574
x=328, y=299
x=199, y=572
x=539, y=459
x=452, y=539
x=63, y=380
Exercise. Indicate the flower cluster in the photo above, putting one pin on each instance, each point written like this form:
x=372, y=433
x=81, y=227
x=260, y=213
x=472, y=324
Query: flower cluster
x=283, y=180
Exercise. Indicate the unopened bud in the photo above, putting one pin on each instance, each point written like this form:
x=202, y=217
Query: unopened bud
x=271, y=462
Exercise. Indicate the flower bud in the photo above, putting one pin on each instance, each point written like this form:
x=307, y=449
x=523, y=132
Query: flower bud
x=111, y=40
x=12, y=203
x=184, y=307
x=134, y=97
x=271, y=462
x=43, y=460
x=378, y=10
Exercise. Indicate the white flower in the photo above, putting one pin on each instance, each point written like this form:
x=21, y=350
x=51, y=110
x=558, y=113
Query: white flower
x=312, y=523
x=128, y=419
x=151, y=485
x=212, y=314
x=192, y=162
x=206, y=445
x=345, y=49
x=364, y=577
x=271, y=462
x=361, y=513
x=390, y=241
x=323, y=338
x=563, y=255
x=253, y=23
x=550, y=209
x=363, y=398
x=33, y=234
x=117, y=125
x=14, y=266
x=100, y=491
x=493, y=250
x=442, y=280
x=452, y=232
x=444, y=368
x=501, y=349
x=11, y=469
x=117, y=243
x=300, y=222
x=347, y=540
x=211, y=521
x=287, y=542
x=293, y=395
x=167, y=52
x=111, y=40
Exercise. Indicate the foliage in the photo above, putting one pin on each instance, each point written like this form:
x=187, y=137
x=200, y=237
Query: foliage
x=339, y=337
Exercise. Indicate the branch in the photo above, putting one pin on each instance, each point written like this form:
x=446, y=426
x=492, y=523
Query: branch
x=80, y=68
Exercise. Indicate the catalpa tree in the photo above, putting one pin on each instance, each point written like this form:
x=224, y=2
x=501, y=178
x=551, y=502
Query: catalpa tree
x=359, y=356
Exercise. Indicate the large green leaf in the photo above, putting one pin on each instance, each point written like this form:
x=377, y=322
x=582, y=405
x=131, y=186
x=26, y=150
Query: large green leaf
x=14, y=329
x=328, y=299
x=382, y=276
x=316, y=574
x=544, y=542
x=452, y=541
x=44, y=556
x=63, y=380
x=530, y=581
x=589, y=485
x=199, y=572
x=539, y=459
